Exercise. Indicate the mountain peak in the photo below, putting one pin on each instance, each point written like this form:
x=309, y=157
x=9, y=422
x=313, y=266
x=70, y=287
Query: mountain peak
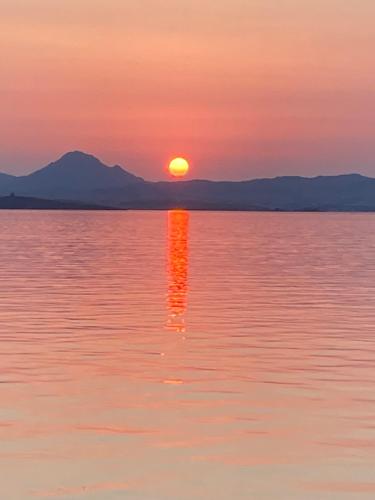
x=76, y=155
x=82, y=163
x=78, y=159
x=75, y=173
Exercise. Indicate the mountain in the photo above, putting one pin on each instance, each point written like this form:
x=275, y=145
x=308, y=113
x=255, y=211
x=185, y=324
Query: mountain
x=75, y=175
x=81, y=177
x=6, y=180
x=325, y=193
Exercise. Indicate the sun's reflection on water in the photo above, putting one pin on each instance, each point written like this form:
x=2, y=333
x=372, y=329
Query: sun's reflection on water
x=178, y=261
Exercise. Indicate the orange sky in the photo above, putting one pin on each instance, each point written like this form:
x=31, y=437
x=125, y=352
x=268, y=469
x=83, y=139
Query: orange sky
x=243, y=88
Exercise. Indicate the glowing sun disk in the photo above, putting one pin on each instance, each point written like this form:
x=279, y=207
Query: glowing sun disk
x=178, y=167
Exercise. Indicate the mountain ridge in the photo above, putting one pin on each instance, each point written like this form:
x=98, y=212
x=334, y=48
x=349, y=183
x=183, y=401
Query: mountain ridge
x=79, y=176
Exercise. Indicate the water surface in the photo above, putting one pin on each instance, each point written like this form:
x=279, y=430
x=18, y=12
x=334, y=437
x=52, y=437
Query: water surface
x=180, y=356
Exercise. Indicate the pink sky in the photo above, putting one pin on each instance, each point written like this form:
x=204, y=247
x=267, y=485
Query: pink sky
x=242, y=88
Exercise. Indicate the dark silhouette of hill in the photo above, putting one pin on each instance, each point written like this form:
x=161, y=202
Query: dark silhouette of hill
x=82, y=177
x=343, y=192
x=13, y=202
x=73, y=176
x=6, y=180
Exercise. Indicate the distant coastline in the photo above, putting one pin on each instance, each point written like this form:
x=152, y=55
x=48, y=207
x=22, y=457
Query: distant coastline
x=13, y=202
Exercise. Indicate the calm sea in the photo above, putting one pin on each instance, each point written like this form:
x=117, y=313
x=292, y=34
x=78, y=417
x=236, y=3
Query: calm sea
x=183, y=356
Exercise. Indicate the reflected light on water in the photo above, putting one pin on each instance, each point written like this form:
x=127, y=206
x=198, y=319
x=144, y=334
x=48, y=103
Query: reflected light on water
x=178, y=260
x=270, y=396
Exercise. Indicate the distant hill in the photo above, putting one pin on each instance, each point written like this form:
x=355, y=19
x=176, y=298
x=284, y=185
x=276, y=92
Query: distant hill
x=13, y=202
x=82, y=177
x=6, y=181
x=75, y=175
x=336, y=193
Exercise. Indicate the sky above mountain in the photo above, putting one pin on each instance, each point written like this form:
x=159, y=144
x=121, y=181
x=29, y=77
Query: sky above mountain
x=241, y=88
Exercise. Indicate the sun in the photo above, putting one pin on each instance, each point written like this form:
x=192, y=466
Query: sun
x=178, y=167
